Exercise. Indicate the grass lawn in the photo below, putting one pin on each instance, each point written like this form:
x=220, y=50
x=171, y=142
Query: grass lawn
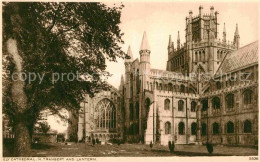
x=132, y=150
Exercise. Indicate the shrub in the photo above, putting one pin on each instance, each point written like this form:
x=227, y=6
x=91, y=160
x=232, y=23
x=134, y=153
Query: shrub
x=151, y=144
x=93, y=142
x=209, y=147
x=171, y=145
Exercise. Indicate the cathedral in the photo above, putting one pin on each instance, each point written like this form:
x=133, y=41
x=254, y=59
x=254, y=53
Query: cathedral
x=208, y=92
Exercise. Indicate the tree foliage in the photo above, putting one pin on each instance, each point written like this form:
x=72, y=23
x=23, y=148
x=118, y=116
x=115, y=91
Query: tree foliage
x=60, y=38
x=43, y=127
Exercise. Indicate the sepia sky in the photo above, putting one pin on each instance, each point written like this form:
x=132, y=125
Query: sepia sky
x=159, y=20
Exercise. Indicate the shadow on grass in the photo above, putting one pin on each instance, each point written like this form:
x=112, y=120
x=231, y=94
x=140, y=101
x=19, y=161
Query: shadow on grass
x=8, y=147
x=42, y=146
x=186, y=153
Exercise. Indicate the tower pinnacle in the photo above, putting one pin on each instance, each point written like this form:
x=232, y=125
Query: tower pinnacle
x=236, y=41
x=129, y=53
x=224, y=34
x=178, y=41
x=170, y=41
x=145, y=44
x=236, y=32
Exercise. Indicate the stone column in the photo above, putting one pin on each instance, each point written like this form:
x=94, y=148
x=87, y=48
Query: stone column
x=198, y=115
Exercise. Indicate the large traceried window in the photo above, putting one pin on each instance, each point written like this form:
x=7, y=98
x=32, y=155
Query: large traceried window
x=105, y=115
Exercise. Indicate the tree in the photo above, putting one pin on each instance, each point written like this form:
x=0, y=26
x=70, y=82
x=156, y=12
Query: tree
x=43, y=127
x=42, y=40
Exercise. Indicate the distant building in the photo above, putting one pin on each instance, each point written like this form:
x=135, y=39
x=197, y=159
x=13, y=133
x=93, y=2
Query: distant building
x=171, y=105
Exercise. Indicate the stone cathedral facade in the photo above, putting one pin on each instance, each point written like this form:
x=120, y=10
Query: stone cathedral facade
x=208, y=92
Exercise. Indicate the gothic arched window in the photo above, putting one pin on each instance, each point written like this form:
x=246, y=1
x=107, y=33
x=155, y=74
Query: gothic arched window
x=170, y=87
x=196, y=56
x=204, y=105
x=230, y=127
x=182, y=88
x=167, y=128
x=247, y=95
x=203, y=129
x=193, y=106
x=180, y=105
x=218, y=85
x=167, y=104
x=193, y=128
x=216, y=103
x=230, y=101
x=181, y=128
x=105, y=114
x=215, y=127
x=247, y=126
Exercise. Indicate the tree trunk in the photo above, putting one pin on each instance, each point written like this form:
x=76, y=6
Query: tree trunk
x=22, y=144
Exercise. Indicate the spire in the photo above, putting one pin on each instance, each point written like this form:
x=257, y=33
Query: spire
x=224, y=29
x=224, y=34
x=121, y=86
x=122, y=79
x=129, y=53
x=236, y=32
x=170, y=41
x=145, y=44
x=178, y=41
x=201, y=11
x=236, y=41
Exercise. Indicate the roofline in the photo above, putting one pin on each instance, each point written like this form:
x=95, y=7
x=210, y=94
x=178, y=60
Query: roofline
x=231, y=53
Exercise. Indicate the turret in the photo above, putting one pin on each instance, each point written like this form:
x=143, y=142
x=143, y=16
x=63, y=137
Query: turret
x=224, y=34
x=170, y=47
x=200, y=11
x=236, y=38
x=128, y=61
x=178, y=41
x=121, y=86
x=201, y=23
x=129, y=55
x=211, y=11
x=145, y=55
